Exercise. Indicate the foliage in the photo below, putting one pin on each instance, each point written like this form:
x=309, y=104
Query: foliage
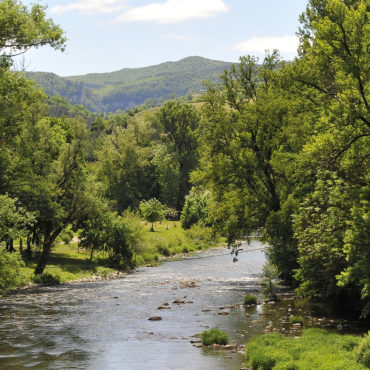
x=14, y=219
x=196, y=208
x=10, y=271
x=180, y=122
x=202, y=236
x=113, y=234
x=269, y=276
x=214, y=336
x=362, y=351
x=316, y=349
x=24, y=28
x=250, y=299
x=152, y=210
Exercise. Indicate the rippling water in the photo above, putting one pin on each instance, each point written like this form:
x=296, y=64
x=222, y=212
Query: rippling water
x=104, y=325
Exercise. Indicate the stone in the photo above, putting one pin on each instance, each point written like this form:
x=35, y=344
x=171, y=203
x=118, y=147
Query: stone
x=179, y=301
x=164, y=307
x=223, y=313
x=155, y=318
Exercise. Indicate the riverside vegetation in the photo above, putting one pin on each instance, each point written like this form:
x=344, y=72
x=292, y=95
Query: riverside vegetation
x=279, y=149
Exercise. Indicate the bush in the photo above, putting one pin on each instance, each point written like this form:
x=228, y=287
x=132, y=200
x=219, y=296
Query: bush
x=214, y=336
x=10, y=271
x=250, y=299
x=362, y=351
x=296, y=320
x=46, y=279
x=201, y=236
x=163, y=251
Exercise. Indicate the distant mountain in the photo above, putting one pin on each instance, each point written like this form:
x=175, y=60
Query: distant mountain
x=130, y=87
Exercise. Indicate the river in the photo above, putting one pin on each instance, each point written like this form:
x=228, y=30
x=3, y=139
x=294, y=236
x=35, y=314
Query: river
x=104, y=324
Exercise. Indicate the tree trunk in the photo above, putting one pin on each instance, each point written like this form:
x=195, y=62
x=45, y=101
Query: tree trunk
x=49, y=239
x=9, y=246
x=152, y=228
x=29, y=250
x=44, y=255
x=20, y=245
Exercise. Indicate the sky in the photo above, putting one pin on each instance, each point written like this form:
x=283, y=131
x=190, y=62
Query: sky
x=108, y=35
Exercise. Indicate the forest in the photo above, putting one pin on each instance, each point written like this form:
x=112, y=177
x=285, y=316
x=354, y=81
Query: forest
x=132, y=87
x=276, y=148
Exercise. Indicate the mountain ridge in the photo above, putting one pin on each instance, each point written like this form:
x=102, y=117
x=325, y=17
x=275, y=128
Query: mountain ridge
x=129, y=87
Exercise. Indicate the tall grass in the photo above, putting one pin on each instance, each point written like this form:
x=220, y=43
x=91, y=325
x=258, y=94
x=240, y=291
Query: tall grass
x=316, y=349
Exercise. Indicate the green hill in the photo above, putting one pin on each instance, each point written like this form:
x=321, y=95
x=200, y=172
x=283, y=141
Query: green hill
x=130, y=87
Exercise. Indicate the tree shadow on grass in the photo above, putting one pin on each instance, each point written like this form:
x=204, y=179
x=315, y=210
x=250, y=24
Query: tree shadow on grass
x=70, y=264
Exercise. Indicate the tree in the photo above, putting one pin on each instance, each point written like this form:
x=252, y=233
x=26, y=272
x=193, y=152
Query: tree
x=125, y=165
x=196, y=208
x=152, y=210
x=242, y=128
x=15, y=221
x=22, y=29
x=180, y=122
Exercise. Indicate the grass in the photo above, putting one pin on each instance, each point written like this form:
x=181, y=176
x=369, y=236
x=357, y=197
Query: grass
x=67, y=263
x=250, y=299
x=214, y=336
x=315, y=349
x=296, y=320
x=169, y=239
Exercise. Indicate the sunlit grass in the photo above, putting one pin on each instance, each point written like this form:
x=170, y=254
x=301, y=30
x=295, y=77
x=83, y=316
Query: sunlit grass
x=315, y=349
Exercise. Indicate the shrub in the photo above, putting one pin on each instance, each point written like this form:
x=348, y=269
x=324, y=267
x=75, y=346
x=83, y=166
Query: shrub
x=10, y=271
x=201, y=236
x=185, y=250
x=250, y=299
x=362, y=350
x=214, y=336
x=46, y=279
x=296, y=320
x=163, y=250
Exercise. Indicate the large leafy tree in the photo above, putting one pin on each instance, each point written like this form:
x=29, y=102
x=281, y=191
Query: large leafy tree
x=333, y=72
x=180, y=122
x=242, y=128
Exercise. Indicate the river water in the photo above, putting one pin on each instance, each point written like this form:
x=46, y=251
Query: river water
x=104, y=324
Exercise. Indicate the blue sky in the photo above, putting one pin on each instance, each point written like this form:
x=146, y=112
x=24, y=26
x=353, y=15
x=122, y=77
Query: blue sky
x=107, y=35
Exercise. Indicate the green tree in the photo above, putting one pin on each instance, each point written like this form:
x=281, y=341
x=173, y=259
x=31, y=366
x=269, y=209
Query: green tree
x=152, y=210
x=15, y=221
x=180, y=123
x=196, y=208
x=23, y=28
x=241, y=130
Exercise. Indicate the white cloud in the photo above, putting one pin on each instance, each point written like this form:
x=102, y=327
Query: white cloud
x=285, y=44
x=173, y=11
x=91, y=6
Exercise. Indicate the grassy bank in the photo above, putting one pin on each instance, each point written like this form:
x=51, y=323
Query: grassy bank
x=170, y=239
x=68, y=263
x=315, y=349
